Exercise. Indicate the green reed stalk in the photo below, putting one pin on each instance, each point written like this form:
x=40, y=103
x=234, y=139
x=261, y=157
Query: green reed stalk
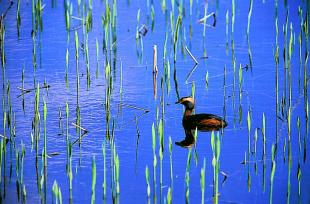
x=93, y=184
x=207, y=80
x=273, y=168
x=264, y=133
x=57, y=195
x=169, y=196
x=172, y=23
x=187, y=178
x=240, y=94
x=276, y=58
x=36, y=119
x=232, y=16
x=255, y=148
x=234, y=79
x=2, y=154
x=306, y=89
x=44, y=117
x=154, y=159
x=68, y=14
x=137, y=27
x=18, y=18
x=290, y=51
x=17, y=172
x=161, y=151
x=152, y=17
x=163, y=6
x=264, y=150
x=226, y=31
x=87, y=62
x=23, y=187
x=224, y=95
x=285, y=56
x=300, y=39
x=77, y=62
x=249, y=18
x=34, y=55
x=216, y=149
x=202, y=181
x=117, y=175
x=288, y=194
x=193, y=89
x=171, y=168
x=175, y=39
x=97, y=58
x=147, y=179
x=205, y=19
x=299, y=181
x=249, y=133
x=67, y=68
x=104, y=185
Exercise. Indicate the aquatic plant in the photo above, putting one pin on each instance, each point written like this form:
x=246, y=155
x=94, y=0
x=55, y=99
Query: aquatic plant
x=202, y=181
x=273, y=168
x=147, y=179
x=18, y=18
x=93, y=183
x=216, y=149
x=175, y=39
x=104, y=185
x=57, y=195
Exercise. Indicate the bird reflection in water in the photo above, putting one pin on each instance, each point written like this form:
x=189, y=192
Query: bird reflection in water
x=203, y=122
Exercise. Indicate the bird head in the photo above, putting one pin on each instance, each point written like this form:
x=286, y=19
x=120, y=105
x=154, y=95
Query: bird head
x=187, y=101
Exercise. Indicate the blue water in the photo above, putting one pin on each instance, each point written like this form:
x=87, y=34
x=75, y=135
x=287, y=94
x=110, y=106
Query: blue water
x=258, y=95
